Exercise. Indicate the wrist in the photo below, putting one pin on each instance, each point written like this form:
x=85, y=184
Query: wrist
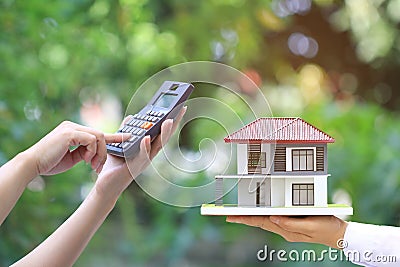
x=111, y=182
x=25, y=163
x=339, y=236
x=108, y=188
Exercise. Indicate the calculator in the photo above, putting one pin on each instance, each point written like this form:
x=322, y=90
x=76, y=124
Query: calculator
x=166, y=103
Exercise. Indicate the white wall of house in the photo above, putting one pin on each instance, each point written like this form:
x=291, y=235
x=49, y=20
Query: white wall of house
x=278, y=192
x=245, y=196
x=241, y=158
x=321, y=191
x=247, y=192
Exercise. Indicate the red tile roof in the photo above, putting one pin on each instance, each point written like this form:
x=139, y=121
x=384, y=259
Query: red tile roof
x=279, y=130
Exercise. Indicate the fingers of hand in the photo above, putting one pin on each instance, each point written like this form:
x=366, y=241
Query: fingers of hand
x=141, y=160
x=100, y=158
x=126, y=119
x=178, y=118
x=265, y=223
x=86, y=140
x=304, y=225
x=93, y=141
x=257, y=221
x=295, y=229
x=145, y=148
x=162, y=139
x=117, y=137
x=167, y=129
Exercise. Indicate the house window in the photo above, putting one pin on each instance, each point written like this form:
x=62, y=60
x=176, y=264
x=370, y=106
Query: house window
x=256, y=158
x=302, y=160
x=280, y=159
x=302, y=194
x=320, y=158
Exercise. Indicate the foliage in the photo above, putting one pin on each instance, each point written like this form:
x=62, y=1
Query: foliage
x=59, y=59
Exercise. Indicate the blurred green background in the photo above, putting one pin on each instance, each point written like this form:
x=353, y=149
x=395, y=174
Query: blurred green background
x=333, y=63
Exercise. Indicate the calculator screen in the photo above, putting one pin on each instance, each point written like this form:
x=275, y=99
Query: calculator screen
x=165, y=100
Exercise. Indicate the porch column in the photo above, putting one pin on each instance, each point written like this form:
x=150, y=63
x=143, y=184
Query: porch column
x=219, y=191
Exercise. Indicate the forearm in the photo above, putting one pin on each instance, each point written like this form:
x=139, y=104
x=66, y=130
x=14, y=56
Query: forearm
x=14, y=177
x=64, y=246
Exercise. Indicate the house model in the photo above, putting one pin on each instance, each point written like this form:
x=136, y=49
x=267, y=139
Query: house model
x=282, y=169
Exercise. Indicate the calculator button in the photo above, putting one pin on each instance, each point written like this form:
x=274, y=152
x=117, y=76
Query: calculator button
x=141, y=131
x=135, y=116
x=148, y=112
x=131, y=122
x=126, y=144
x=146, y=118
x=152, y=113
x=132, y=139
x=154, y=119
x=160, y=114
x=147, y=125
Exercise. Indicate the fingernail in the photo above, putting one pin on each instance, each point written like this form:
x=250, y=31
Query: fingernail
x=98, y=170
x=274, y=219
x=148, y=143
x=97, y=166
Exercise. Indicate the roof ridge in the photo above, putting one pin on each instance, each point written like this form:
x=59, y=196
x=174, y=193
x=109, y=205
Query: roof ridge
x=279, y=129
x=292, y=120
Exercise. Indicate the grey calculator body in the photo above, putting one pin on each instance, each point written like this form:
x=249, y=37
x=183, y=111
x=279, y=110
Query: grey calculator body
x=166, y=103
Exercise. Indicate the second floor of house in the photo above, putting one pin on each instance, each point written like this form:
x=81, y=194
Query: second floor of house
x=282, y=159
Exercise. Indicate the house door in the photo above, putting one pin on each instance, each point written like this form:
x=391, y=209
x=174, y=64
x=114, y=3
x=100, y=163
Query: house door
x=260, y=194
x=255, y=158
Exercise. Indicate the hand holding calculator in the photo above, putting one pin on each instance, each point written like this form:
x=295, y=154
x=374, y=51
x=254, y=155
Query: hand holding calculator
x=166, y=103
